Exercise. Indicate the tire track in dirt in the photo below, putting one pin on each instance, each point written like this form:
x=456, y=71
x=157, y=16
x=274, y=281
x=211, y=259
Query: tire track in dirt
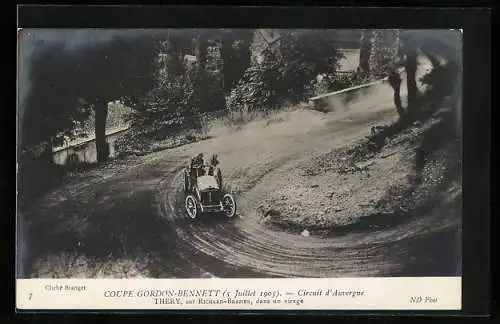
x=242, y=247
x=241, y=244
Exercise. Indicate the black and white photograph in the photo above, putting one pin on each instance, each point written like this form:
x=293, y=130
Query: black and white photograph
x=239, y=153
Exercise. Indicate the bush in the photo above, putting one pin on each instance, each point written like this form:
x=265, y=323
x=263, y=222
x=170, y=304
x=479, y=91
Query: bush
x=286, y=75
x=168, y=109
x=256, y=89
x=346, y=80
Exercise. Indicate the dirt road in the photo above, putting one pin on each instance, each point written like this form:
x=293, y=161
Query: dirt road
x=133, y=223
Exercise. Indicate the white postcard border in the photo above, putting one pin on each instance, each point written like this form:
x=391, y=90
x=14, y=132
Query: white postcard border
x=394, y=293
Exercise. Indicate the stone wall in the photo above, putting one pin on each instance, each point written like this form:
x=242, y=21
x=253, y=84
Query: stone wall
x=85, y=151
x=115, y=121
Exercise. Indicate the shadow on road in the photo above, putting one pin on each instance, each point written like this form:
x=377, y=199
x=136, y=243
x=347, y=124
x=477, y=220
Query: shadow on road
x=113, y=222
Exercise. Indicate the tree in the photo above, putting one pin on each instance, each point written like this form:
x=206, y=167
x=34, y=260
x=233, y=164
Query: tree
x=181, y=93
x=287, y=72
x=443, y=48
x=172, y=56
x=395, y=82
x=208, y=92
x=258, y=88
x=200, y=77
x=210, y=86
x=305, y=54
x=365, y=50
x=378, y=50
x=234, y=48
x=122, y=68
x=78, y=72
x=235, y=45
x=168, y=108
x=52, y=107
x=411, y=64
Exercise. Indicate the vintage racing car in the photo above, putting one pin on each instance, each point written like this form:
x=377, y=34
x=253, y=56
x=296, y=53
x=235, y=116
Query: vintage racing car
x=204, y=192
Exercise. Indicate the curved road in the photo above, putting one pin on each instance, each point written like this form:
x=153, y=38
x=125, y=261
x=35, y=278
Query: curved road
x=140, y=211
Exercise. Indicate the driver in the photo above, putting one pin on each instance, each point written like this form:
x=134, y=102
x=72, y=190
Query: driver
x=197, y=162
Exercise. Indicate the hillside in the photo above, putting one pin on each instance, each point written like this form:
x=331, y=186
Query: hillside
x=358, y=187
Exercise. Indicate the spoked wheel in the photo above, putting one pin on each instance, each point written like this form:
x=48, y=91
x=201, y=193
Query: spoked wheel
x=191, y=207
x=229, y=205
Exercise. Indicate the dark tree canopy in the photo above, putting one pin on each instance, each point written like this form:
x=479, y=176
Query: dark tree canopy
x=444, y=50
x=121, y=69
x=52, y=108
x=69, y=78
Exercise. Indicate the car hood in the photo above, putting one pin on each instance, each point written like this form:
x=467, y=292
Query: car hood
x=207, y=182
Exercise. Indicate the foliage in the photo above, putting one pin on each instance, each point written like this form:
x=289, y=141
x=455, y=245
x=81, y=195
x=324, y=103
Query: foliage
x=235, y=55
x=439, y=46
x=52, y=108
x=385, y=63
x=306, y=54
x=77, y=72
x=341, y=81
x=286, y=75
x=444, y=43
x=120, y=69
x=125, y=69
x=169, y=107
x=182, y=91
x=256, y=90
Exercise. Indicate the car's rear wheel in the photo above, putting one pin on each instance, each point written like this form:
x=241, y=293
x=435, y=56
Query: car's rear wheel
x=191, y=207
x=229, y=205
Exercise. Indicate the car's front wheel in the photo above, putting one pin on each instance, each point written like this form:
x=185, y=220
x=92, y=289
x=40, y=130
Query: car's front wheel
x=191, y=207
x=229, y=205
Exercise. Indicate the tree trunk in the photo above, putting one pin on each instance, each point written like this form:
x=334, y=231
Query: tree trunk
x=395, y=82
x=173, y=57
x=373, y=59
x=201, y=54
x=411, y=82
x=226, y=48
x=396, y=44
x=201, y=80
x=397, y=102
x=364, y=53
x=101, y=145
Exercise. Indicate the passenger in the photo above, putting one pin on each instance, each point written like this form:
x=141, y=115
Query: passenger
x=214, y=162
